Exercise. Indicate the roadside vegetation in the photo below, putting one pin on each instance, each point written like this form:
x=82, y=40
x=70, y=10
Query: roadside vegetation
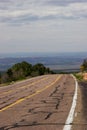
x=23, y=70
x=83, y=67
x=82, y=75
x=79, y=76
x=0, y=78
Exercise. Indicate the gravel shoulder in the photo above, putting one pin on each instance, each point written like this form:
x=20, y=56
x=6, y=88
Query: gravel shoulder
x=80, y=119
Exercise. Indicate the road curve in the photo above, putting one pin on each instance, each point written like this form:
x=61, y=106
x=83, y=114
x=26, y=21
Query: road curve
x=39, y=103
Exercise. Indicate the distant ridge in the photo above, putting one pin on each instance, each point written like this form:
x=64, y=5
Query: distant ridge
x=55, y=61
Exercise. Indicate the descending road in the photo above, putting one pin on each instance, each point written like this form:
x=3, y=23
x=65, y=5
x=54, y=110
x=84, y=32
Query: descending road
x=39, y=103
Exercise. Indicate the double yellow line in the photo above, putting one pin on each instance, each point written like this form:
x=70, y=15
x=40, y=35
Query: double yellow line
x=25, y=86
x=23, y=99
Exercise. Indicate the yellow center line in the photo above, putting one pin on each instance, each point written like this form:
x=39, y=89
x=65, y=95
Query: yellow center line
x=6, y=92
x=33, y=83
x=25, y=86
x=23, y=99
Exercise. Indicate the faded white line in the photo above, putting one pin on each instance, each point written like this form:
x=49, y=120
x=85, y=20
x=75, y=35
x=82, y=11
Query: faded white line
x=68, y=123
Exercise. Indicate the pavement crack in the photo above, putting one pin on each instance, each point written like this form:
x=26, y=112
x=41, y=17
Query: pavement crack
x=57, y=105
x=43, y=101
x=56, y=89
x=48, y=116
x=30, y=110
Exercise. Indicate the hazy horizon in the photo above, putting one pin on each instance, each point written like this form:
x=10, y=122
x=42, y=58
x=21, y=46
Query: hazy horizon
x=43, y=54
x=55, y=61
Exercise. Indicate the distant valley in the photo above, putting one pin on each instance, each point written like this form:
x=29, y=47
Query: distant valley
x=56, y=61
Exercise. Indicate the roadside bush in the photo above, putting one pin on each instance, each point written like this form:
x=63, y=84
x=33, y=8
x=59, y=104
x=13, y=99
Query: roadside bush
x=79, y=76
x=22, y=70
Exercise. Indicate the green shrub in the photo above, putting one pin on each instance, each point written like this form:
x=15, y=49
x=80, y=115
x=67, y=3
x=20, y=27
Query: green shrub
x=79, y=76
x=22, y=70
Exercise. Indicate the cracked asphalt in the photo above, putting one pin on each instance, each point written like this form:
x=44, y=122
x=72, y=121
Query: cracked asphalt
x=39, y=103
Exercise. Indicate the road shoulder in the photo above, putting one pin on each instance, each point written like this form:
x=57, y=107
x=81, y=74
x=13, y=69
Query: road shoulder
x=80, y=118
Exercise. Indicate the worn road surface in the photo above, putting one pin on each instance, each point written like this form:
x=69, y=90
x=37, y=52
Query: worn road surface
x=41, y=103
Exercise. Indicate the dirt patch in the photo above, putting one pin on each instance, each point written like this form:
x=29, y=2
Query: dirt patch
x=80, y=120
x=85, y=76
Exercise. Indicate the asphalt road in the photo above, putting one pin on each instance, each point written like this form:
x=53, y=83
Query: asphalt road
x=39, y=103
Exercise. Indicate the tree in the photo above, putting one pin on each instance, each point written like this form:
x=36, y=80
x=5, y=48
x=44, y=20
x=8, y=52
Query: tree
x=21, y=70
x=24, y=69
x=40, y=68
x=0, y=78
x=4, y=78
x=83, y=67
x=9, y=72
x=27, y=68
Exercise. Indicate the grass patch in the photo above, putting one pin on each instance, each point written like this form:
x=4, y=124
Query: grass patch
x=79, y=76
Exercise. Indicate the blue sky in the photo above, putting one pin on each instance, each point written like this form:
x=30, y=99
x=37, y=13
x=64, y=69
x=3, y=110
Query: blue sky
x=43, y=26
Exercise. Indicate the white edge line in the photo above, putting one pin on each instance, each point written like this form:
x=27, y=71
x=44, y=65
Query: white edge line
x=68, y=123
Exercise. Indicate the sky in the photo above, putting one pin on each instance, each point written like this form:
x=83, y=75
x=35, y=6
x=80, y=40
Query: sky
x=43, y=26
